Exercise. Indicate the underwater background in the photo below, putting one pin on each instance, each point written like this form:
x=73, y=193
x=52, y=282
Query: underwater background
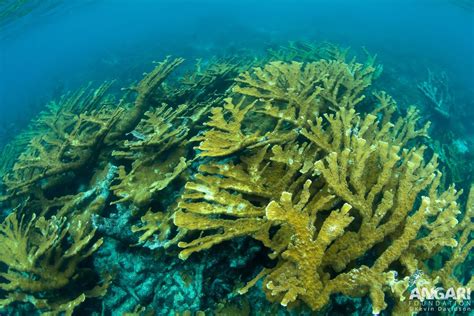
x=58, y=45
x=157, y=157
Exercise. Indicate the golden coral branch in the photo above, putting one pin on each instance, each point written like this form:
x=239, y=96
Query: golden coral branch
x=42, y=257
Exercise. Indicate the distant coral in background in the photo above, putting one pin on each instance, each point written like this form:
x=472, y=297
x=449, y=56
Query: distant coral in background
x=291, y=172
x=450, y=141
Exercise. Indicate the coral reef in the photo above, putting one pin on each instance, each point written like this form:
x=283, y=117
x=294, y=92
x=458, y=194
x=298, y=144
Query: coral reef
x=450, y=139
x=353, y=188
x=436, y=90
x=75, y=133
x=289, y=172
x=43, y=256
x=64, y=142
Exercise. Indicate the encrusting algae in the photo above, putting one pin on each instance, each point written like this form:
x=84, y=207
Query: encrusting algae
x=345, y=201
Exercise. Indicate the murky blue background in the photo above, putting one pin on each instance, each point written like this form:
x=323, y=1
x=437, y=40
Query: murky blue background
x=58, y=47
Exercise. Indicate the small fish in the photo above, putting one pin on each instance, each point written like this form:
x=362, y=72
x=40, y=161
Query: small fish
x=137, y=135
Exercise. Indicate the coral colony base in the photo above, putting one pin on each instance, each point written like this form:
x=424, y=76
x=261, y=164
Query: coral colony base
x=314, y=186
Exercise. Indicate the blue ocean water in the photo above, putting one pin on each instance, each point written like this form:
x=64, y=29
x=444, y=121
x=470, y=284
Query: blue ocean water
x=59, y=45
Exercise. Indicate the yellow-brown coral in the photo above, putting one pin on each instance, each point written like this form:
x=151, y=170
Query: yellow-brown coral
x=345, y=201
x=42, y=256
x=360, y=186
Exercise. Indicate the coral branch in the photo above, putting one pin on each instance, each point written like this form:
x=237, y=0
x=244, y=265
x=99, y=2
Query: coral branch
x=43, y=258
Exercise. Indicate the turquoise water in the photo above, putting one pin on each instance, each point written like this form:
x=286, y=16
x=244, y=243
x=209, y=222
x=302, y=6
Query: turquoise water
x=52, y=49
x=421, y=52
